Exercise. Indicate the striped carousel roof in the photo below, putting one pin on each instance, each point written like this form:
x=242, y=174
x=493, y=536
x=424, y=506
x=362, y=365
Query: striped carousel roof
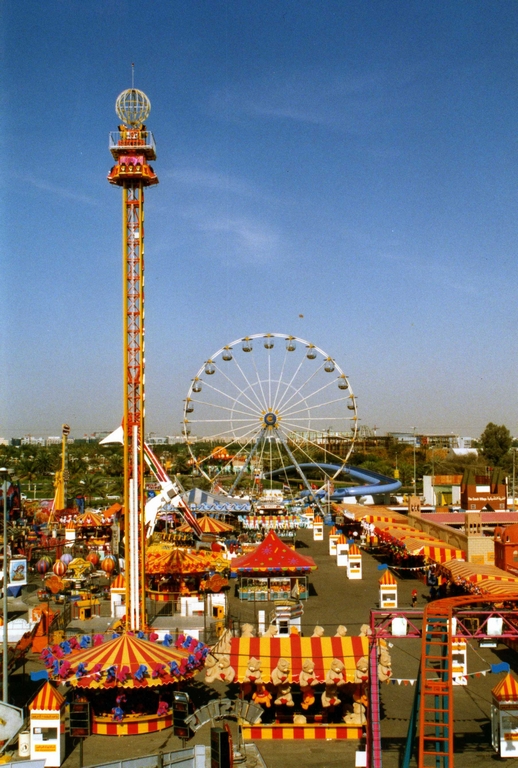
x=296, y=649
x=164, y=558
x=208, y=525
x=507, y=689
x=125, y=656
x=89, y=519
x=48, y=699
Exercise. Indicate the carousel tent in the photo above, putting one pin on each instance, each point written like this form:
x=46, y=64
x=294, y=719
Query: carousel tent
x=165, y=558
x=208, y=525
x=273, y=556
x=129, y=662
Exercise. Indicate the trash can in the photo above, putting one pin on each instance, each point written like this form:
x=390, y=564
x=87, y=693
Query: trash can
x=24, y=744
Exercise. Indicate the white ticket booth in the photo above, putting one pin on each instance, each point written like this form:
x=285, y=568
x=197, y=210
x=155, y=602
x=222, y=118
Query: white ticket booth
x=70, y=531
x=118, y=596
x=354, y=563
x=47, y=726
x=334, y=535
x=504, y=717
x=388, y=590
x=318, y=528
x=342, y=551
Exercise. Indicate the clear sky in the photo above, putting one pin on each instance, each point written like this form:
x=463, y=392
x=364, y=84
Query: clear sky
x=353, y=163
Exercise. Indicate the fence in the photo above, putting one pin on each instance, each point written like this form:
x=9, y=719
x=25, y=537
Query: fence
x=189, y=757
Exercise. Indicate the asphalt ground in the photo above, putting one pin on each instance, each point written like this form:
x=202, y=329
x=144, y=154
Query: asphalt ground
x=333, y=600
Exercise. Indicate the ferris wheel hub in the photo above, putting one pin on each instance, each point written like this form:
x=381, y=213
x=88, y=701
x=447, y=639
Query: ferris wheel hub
x=270, y=419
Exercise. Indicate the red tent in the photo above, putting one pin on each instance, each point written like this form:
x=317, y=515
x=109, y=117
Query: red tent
x=273, y=556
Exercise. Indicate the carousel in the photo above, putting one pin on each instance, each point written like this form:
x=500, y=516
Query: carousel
x=128, y=680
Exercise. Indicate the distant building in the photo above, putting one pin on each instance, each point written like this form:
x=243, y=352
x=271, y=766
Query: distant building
x=483, y=491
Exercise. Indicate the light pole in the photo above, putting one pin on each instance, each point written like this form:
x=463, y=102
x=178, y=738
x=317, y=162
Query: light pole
x=5, y=647
x=415, y=474
x=514, y=473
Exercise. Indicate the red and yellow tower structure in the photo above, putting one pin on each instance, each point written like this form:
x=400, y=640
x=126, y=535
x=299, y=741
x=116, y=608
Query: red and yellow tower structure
x=132, y=147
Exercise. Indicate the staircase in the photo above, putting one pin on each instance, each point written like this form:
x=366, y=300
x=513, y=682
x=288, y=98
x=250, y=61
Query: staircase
x=373, y=715
x=436, y=725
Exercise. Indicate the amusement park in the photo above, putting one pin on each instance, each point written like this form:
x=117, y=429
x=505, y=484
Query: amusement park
x=286, y=607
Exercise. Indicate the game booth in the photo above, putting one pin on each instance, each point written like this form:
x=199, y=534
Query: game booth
x=308, y=687
x=273, y=571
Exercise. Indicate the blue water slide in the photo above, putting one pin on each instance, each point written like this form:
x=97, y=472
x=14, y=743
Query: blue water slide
x=374, y=483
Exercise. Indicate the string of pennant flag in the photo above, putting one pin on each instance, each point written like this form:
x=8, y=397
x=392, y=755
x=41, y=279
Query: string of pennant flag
x=493, y=669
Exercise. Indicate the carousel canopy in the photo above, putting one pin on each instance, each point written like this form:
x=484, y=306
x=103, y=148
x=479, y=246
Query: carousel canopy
x=208, y=525
x=273, y=556
x=169, y=559
x=89, y=519
x=296, y=649
x=129, y=662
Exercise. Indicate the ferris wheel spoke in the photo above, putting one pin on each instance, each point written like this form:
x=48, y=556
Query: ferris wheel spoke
x=260, y=384
x=254, y=402
x=301, y=473
x=289, y=385
x=309, y=443
x=306, y=397
x=229, y=409
x=311, y=408
x=228, y=444
x=299, y=390
x=234, y=398
x=269, y=358
x=248, y=460
x=250, y=387
x=274, y=402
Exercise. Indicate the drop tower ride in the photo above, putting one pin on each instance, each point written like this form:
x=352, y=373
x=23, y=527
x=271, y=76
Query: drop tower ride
x=132, y=147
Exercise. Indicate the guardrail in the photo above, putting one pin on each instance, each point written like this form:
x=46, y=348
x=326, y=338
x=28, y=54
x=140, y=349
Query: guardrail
x=189, y=757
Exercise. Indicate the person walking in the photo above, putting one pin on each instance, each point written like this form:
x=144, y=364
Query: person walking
x=414, y=598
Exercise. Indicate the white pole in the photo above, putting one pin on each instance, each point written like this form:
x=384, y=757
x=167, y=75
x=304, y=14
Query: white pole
x=5, y=647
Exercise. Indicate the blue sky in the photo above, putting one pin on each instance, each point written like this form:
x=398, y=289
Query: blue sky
x=351, y=162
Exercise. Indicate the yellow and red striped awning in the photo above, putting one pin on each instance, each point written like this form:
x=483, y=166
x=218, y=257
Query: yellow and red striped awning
x=48, y=699
x=458, y=569
x=507, y=689
x=119, y=582
x=296, y=649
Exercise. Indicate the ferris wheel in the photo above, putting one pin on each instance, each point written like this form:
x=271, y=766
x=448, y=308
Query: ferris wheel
x=262, y=406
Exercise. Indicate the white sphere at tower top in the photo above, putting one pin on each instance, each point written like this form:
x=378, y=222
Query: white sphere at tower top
x=133, y=107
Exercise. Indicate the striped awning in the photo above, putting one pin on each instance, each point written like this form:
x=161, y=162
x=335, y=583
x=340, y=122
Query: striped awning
x=458, y=569
x=296, y=649
x=507, y=689
x=48, y=699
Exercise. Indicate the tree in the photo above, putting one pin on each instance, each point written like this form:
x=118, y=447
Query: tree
x=495, y=442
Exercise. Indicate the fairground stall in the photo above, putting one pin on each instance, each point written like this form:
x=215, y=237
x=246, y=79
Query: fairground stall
x=128, y=680
x=308, y=687
x=273, y=571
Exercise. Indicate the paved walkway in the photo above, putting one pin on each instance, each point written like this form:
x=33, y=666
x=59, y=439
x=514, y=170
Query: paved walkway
x=335, y=600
